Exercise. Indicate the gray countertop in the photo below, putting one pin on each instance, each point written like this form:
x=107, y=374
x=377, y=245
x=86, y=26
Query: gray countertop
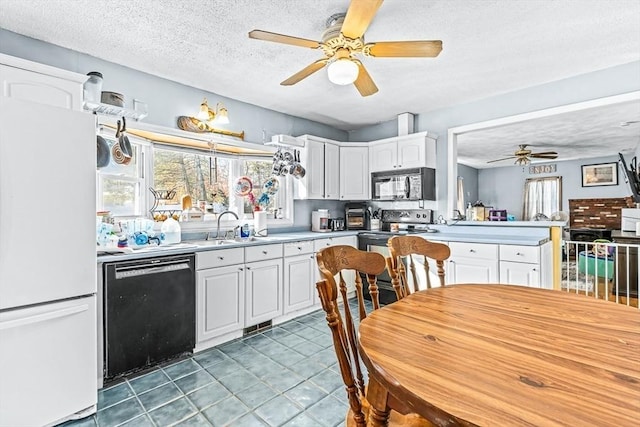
x=444, y=234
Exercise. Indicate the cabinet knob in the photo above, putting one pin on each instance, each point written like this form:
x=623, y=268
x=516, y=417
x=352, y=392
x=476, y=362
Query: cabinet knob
x=220, y=258
x=264, y=252
x=399, y=166
x=394, y=166
x=248, y=268
x=518, y=254
x=299, y=248
x=473, y=251
x=240, y=268
x=534, y=269
x=328, y=195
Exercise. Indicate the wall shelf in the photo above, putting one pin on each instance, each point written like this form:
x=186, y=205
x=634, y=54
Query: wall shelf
x=114, y=110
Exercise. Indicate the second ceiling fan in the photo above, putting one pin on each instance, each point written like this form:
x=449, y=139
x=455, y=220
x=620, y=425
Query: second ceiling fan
x=343, y=40
x=523, y=156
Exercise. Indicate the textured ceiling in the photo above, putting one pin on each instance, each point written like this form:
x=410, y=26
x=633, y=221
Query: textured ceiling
x=594, y=132
x=489, y=47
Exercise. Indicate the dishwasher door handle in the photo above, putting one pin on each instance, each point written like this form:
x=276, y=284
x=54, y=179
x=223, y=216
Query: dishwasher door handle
x=151, y=268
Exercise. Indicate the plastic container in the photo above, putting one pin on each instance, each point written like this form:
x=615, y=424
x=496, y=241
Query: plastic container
x=92, y=88
x=245, y=232
x=171, y=230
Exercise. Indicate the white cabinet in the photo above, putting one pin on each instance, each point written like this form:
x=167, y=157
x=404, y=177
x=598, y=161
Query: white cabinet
x=403, y=152
x=237, y=288
x=219, y=301
x=263, y=283
x=526, y=265
x=321, y=159
x=40, y=83
x=354, y=173
x=299, y=277
x=472, y=263
x=263, y=291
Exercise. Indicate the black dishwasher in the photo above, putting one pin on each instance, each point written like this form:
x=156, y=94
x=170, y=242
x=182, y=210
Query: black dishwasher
x=149, y=312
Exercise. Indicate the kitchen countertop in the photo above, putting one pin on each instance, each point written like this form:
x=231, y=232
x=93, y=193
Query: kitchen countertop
x=188, y=246
x=510, y=235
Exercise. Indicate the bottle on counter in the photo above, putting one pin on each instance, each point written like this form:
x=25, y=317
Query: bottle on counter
x=469, y=212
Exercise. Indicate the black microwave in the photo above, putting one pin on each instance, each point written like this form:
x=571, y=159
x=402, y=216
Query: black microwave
x=407, y=184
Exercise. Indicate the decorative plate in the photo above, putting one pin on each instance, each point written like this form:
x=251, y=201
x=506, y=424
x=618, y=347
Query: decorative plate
x=270, y=186
x=243, y=186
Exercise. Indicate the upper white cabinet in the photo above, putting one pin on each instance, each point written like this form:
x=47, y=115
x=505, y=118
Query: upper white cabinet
x=403, y=152
x=39, y=83
x=354, y=173
x=321, y=158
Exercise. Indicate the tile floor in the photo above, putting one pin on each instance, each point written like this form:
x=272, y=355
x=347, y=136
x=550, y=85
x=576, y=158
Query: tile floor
x=284, y=376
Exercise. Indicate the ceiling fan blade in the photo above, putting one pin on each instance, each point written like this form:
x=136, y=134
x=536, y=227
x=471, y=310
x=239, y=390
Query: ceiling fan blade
x=499, y=160
x=305, y=72
x=364, y=83
x=359, y=16
x=406, y=49
x=552, y=153
x=281, y=38
x=544, y=156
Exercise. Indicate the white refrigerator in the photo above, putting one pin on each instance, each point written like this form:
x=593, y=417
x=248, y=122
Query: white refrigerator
x=47, y=264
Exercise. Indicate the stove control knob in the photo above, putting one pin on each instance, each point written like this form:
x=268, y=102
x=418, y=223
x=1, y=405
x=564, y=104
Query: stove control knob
x=417, y=215
x=424, y=215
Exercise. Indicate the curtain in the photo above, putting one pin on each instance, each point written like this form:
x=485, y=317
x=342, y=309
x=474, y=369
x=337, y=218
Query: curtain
x=542, y=196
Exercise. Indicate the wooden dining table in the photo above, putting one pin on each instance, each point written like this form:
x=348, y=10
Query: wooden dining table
x=504, y=355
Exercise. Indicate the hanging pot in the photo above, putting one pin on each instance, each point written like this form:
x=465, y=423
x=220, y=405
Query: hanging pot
x=123, y=140
x=103, y=152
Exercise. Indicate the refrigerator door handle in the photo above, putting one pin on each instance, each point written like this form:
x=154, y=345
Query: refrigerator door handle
x=43, y=317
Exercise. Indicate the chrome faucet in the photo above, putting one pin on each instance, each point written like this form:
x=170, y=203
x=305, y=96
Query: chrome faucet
x=220, y=215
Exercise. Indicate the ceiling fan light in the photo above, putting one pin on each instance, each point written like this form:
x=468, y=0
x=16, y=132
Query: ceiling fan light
x=343, y=71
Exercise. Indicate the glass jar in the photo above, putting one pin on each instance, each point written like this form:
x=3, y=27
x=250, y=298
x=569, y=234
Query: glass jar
x=93, y=88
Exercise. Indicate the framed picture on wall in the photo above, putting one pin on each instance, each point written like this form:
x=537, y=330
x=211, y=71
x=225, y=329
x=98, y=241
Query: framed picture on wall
x=600, y=174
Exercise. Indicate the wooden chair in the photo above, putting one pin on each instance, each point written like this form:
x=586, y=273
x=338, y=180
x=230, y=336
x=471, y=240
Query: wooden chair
x=410, y=246
x=332, y=261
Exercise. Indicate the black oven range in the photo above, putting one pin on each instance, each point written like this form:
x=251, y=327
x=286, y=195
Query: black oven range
x=408, y=221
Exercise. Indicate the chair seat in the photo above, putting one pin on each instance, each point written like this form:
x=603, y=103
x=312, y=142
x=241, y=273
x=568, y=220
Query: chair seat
x=396, y=419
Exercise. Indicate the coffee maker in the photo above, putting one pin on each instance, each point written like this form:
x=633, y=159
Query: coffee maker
x=357, y=216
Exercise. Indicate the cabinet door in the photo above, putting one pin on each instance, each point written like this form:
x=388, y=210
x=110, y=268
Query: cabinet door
x=519, y=273
x=471, y=270
x=263, y=291
x=354, y=173
x=220, y=301
x=411, y=153
x=383, y=156
x=40, y=88
x=299, y=283
x=312, y=185
x=331, y=172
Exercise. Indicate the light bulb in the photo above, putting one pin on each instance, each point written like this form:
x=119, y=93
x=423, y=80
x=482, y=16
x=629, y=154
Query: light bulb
x=343, y=71
x=203, y=114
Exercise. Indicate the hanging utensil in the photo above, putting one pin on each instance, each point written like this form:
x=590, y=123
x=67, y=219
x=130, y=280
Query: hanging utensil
x=123, y=140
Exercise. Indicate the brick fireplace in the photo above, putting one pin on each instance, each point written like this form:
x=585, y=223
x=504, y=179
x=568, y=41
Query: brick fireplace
x=598, y=213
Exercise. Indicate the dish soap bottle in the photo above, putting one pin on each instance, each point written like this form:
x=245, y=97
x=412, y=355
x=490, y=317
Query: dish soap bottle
x=469, y=212
x=244, y=228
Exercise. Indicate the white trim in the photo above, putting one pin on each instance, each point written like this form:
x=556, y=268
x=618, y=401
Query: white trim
x=452, y=134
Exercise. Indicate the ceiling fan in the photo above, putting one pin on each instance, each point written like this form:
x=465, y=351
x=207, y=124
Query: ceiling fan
x=524, y=156
x=343, y=40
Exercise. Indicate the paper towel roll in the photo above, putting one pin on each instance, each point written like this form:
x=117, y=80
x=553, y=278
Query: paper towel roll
x=260, y=223
x=638, y=228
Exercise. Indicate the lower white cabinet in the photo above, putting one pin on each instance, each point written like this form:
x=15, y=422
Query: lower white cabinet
x=526, y=265
x=472, y=263
x=263, y=291
x=299, y=286
x=220, y=297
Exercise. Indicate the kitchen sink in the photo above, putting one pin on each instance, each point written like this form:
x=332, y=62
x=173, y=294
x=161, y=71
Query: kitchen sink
x=224, y=242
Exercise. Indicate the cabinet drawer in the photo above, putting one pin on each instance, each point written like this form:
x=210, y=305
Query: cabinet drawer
x=298, y=248
x=219, y=258
x=330, y=241
x=262, y=252
x=474, y=250
x=515, y=253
